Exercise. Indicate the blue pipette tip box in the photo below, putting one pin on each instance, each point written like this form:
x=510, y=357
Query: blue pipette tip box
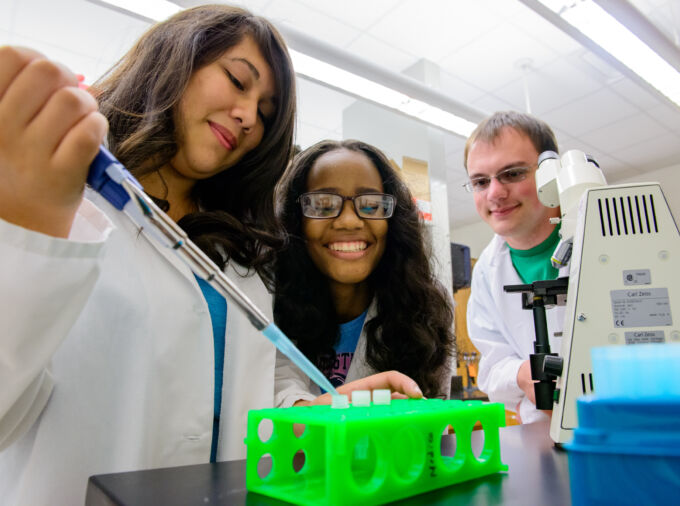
x=626, y=449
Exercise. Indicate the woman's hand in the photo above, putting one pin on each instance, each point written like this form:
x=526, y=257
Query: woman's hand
x=402, y=387
x=50, y=131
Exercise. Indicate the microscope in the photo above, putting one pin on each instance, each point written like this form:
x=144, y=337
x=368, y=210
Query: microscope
x=622, y=247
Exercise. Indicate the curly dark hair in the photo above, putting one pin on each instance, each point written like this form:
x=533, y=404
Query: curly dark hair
x=140, y=94
x=412, y=331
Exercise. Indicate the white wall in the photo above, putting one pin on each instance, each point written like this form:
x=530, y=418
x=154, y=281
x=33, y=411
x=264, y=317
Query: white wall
x=476, y=236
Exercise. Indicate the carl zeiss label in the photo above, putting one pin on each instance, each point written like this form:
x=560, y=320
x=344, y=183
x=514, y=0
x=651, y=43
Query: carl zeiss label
x=641, y=307
x=645, y=336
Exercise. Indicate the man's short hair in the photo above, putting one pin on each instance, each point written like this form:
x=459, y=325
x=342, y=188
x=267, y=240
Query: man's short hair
x=538, y=132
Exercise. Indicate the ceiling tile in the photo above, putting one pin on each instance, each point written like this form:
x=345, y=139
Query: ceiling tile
x=459, y=89
x=665, y=14
x=311, y=21
x=653, y=154
x=490, y=103
x=667, y=115
x=541, y=30
x=636, y=94
x=564, y=141
x=385, y=55
x=591, y=64
x=493, y=67
x=513, y=95
x=613, y=169
x=415, y=29
x=590, y=112
x=550, y=86
x=609, y=161
x=626, y=132
x=357, y=13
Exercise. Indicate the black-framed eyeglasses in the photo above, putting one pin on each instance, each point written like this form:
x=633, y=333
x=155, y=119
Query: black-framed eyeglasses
x=507, y=176
x=369, y=206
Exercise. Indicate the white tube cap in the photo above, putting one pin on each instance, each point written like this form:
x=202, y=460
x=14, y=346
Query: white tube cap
x=382, y=397
x=339, y=402
x=361, y=398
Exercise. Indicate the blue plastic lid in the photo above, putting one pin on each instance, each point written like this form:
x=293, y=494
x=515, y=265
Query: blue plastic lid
x=648, y=426
x=653, y=413
x=637, y=371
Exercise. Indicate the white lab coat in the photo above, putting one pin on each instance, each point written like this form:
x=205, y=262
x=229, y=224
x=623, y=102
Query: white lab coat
x=292, y=384
x=107, y=359
x=502, y=331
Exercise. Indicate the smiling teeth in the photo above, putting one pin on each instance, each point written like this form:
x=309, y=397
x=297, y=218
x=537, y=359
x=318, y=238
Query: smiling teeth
x=348, y=246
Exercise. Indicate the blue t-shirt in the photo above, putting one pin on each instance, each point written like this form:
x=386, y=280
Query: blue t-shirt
x=344, y=350
x=217, y=306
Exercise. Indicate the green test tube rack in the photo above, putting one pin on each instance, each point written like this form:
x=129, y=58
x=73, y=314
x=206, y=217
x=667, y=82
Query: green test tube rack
x=368, y=454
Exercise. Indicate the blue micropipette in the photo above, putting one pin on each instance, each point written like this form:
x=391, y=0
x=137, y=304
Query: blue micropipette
x=108, y=177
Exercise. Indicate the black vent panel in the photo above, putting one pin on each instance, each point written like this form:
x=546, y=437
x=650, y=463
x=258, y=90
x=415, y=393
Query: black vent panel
x=630, y=215
x=587, y=383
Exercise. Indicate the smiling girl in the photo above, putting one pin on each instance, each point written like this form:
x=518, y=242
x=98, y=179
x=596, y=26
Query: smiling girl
x=113, y=356
x=355, y=289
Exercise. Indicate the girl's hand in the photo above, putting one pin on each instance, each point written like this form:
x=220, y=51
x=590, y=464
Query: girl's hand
x=402, y=387
x=50, y=132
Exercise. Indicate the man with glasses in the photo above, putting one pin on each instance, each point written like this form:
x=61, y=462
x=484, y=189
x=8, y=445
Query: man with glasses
x=501, y=158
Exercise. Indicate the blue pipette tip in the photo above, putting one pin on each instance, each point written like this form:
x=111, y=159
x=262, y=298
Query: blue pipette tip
x=286, y=346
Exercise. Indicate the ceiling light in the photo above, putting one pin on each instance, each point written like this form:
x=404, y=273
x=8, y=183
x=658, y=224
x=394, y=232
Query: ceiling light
x=414, y=104
x=603, y=29
x=150, y=10
x=348, y=82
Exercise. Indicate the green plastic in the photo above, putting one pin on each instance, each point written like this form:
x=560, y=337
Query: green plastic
x=368, y=455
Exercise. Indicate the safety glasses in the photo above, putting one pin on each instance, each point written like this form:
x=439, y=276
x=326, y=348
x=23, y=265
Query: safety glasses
x=368, y=206
x=507, y=176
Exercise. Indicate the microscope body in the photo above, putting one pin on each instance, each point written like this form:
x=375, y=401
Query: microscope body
x=624, y=281
x=624, y=286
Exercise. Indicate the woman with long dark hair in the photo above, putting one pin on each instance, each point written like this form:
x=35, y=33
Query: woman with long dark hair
x=113, y=356
x=354, y=286
x=228, y=213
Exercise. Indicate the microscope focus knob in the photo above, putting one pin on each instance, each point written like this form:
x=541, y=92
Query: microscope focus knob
x=553, y=365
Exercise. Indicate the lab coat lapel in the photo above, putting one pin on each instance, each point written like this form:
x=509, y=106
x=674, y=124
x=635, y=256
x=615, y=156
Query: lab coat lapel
x=517, y=321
